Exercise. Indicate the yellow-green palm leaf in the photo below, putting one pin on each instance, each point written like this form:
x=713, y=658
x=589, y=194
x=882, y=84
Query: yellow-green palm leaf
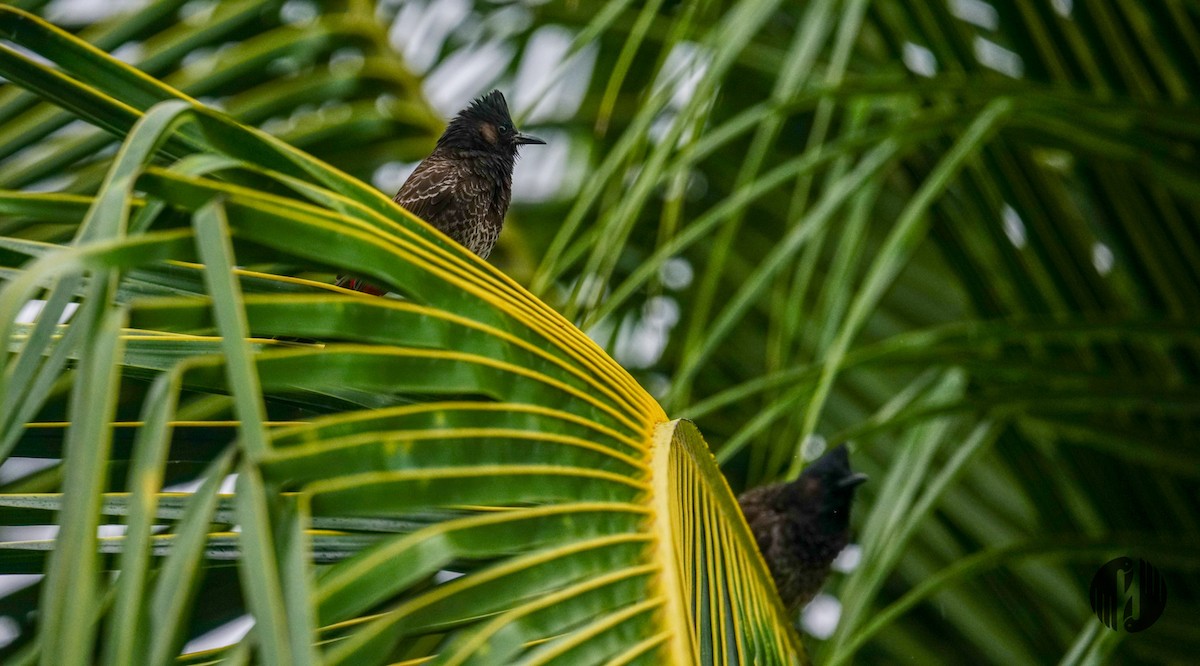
x=465, y=428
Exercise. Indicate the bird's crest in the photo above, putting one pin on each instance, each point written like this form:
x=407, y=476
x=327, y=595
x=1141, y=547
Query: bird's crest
x=491, y=107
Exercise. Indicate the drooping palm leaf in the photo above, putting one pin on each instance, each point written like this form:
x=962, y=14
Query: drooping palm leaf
x=1022, y=393
x=497, y=441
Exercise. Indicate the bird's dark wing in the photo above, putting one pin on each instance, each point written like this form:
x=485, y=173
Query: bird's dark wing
x=430, y=191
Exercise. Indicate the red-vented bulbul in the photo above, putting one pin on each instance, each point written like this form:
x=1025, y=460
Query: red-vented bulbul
x=802, y=525
x=464, y=186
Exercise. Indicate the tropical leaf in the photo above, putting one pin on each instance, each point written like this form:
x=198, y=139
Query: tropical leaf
x=465, y=428
x=959, y=235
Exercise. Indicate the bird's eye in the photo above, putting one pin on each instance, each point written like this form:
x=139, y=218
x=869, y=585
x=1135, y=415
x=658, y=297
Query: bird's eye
x=506, y=129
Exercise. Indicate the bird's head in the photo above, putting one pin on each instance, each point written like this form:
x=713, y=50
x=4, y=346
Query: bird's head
x=485, y=126
x=826, y=489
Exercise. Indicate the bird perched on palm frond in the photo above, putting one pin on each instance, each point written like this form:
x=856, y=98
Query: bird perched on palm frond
x=463, y=188
x=802, y=525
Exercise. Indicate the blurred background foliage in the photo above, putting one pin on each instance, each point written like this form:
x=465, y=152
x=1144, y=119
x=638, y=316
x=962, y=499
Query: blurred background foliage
x=961, y=235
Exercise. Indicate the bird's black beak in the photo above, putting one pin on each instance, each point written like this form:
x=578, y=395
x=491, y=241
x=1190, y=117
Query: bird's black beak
x=525, y=139
x=852, y=480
